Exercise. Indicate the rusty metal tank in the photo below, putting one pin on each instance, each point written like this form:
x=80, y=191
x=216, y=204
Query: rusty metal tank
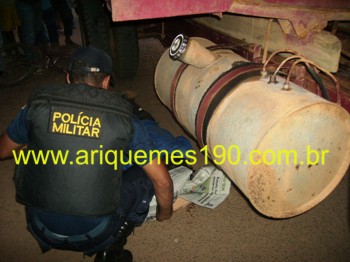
x=285, y=148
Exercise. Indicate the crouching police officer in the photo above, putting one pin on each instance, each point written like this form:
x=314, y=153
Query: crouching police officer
x=79, y=202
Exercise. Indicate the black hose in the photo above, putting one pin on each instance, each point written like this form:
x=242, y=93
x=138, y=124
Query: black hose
x=318, y=80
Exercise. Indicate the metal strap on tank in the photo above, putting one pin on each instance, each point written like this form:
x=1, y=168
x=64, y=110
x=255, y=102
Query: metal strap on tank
x=173, y=87
x=177, y=77
x=217, y=92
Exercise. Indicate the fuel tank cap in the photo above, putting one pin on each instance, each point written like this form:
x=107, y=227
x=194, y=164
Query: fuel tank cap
x=178, y=46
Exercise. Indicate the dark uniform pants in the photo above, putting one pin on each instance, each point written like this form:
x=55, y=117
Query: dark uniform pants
x=93, y=234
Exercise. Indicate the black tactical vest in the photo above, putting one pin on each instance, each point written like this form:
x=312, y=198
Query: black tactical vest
x=91, y=127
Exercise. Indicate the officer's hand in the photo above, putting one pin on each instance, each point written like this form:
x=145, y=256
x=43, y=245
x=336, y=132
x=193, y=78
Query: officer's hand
x=163, y=214
x=163, y=188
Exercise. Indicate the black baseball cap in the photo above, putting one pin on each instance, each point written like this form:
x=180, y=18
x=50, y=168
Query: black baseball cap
x=90, y=59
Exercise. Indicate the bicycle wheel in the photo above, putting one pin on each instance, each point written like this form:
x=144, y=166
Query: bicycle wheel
x=58, y=59
x=18, y=66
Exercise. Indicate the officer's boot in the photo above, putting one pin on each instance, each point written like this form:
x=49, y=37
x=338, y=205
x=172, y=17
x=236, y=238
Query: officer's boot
x=116, y=252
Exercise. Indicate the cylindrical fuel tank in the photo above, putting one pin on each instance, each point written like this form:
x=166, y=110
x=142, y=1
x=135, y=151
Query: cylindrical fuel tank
x=285, y=149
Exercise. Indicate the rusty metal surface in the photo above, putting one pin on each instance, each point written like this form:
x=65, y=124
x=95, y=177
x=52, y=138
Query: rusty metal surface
x=258, y=115
x=123, y=10
x=303, y=16
x=305, y=11
x=309, y=3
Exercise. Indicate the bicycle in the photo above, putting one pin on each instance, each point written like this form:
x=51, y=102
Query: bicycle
x=21, y=61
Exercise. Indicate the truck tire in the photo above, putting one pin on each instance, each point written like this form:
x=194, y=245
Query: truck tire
x=117, y=39
x=125, y=38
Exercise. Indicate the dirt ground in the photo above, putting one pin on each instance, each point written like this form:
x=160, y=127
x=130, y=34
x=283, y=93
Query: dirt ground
x=233, y=231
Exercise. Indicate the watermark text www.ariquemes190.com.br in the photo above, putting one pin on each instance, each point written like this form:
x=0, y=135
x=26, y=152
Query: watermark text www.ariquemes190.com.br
x=219, y=155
